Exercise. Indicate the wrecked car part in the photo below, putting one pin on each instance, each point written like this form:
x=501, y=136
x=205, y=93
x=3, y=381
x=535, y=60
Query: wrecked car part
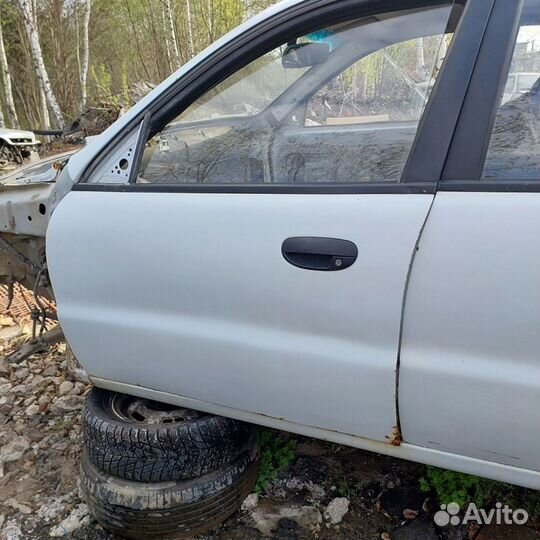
x=43, y=312
x=13, y=269
x=30, y=194
x=40, y=314
x=8, y=247
x=26, y=208
x=22, y=303
x=44, y=171
x=10, y=155
x=15, y=146
x=11, y=272
x=27, y=196
x=47, y=339
x=11, y=285
x=21, y=261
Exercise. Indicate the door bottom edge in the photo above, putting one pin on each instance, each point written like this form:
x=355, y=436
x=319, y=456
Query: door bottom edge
x=428, y=456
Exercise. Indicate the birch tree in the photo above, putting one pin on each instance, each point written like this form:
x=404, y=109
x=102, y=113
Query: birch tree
x=167, y=41
x=28, y=13
x=441, y=52
x=86, y=53
x=172, y=34
x=190, y=29
x=421, y=70
x=134, y=40
x=44, y=108
x=6, y=80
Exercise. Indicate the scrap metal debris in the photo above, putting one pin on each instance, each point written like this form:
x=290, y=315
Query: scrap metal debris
x=24, y=309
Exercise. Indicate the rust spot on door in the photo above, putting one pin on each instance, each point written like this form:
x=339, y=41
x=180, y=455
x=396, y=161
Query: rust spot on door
x=395, y=437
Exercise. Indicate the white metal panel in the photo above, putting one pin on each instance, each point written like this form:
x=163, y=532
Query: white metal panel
x=189, y=294
x=470, y=359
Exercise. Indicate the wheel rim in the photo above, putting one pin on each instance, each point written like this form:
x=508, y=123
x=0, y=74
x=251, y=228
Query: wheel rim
x=145, y=411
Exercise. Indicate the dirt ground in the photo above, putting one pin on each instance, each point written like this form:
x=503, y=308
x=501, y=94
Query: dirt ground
x=375, y=497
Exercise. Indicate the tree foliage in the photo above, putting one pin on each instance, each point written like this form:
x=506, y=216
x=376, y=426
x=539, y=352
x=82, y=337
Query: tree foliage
x=129, y=41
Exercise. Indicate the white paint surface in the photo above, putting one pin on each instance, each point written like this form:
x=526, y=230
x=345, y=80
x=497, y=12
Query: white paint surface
x=189, y=294
x=470, y=358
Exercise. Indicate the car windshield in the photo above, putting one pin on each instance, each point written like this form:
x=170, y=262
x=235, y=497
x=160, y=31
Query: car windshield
x=526, y=81
x=510, y=84
x=263, y=82
x=249, y=91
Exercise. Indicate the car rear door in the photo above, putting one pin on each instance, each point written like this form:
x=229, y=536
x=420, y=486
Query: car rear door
x=471, y=336
x=208, y=279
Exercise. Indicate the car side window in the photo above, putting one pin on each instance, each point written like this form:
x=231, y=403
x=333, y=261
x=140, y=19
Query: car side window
x=375, y=72
x=389, y=85
x=514, y=147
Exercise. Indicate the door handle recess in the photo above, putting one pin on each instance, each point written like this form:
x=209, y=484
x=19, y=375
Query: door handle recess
x=319, y=253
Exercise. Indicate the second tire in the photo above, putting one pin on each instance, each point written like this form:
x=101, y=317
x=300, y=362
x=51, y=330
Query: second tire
x=159, y=510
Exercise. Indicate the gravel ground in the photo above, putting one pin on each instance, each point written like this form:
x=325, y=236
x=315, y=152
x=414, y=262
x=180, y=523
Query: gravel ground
x=329, y=492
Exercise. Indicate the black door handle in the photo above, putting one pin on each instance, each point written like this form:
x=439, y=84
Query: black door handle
x=319, y=253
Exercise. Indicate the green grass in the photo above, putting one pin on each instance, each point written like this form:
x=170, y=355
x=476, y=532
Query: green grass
x=276, y=455
x=449, y=486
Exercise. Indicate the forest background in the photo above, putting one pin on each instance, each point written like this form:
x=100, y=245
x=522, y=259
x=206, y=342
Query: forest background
x=59, y=57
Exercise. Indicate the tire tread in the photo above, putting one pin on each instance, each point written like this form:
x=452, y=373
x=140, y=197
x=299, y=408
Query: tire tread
x=157, y=510
x=160, y=453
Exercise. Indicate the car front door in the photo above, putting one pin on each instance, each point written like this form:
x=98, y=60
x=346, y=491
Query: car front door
x=201, y=271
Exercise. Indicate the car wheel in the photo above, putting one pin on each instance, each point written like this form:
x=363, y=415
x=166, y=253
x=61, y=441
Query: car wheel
x=149, y=511
x=145, y=441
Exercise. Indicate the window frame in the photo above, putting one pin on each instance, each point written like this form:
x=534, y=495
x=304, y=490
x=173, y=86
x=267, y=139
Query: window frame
x=466, y=158
x=301, y=19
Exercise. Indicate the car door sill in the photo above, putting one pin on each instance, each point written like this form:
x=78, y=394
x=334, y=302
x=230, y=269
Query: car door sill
x=489, y=469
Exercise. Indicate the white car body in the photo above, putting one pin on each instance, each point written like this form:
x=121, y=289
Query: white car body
x=16, y=147
x=427, y=348
x=17, y=137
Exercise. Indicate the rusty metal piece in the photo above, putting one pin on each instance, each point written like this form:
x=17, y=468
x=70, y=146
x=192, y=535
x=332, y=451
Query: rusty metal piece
x=23, y=304
x=28, y=349
x=5, y=245
x=396, y=438
x=10, y=287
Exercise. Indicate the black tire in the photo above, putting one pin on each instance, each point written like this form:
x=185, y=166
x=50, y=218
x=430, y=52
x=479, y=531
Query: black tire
x=179, y=444
x=168, y=509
